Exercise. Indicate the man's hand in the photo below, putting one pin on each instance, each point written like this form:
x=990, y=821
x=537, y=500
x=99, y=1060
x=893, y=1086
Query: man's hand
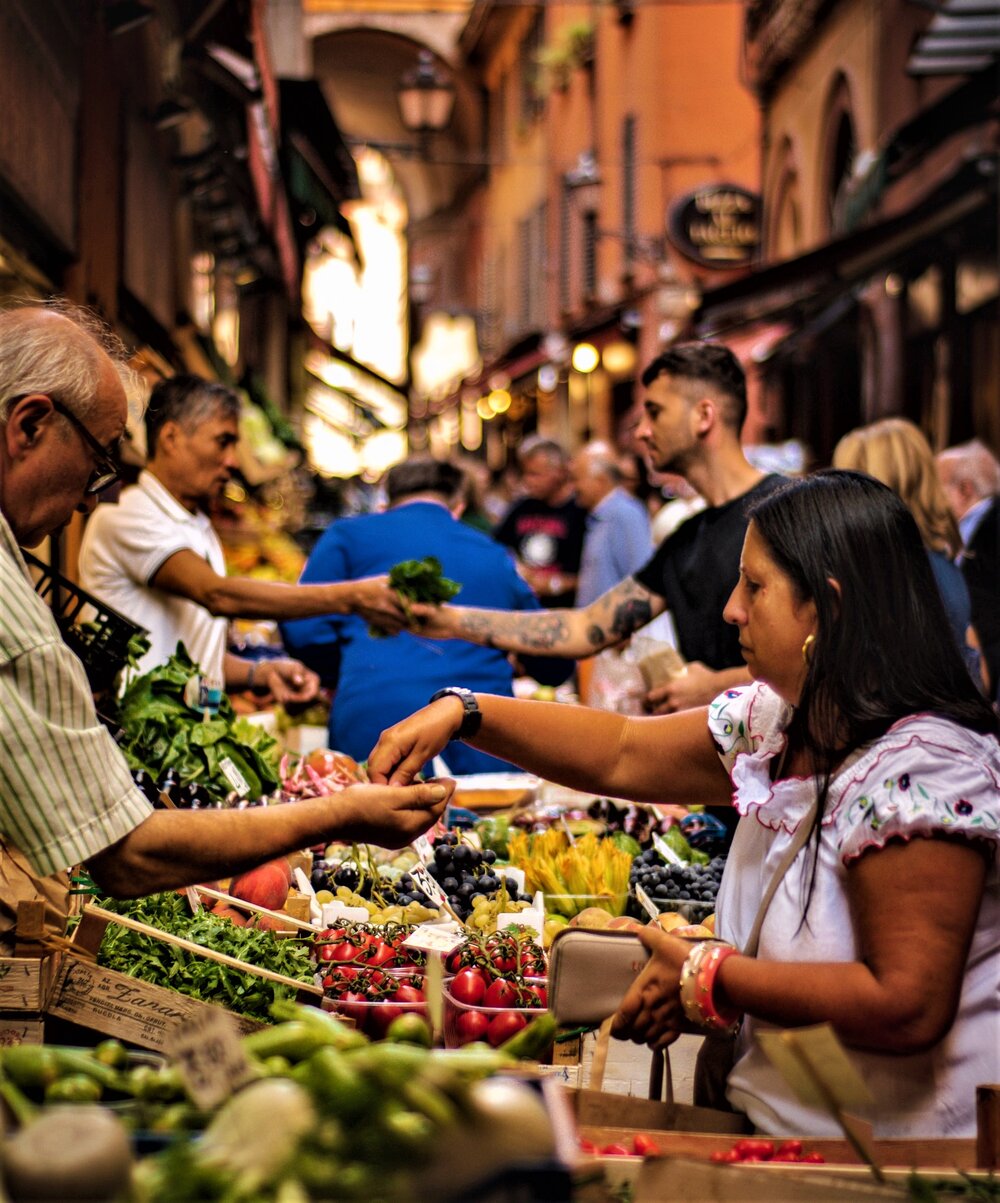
x=372, y=599
x=404, y=749
x=696, y=686
x=389, y=816
x=287, y=680
x=651, y=1011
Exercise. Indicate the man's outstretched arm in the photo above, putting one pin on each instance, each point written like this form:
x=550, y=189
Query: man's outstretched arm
x=575, y=633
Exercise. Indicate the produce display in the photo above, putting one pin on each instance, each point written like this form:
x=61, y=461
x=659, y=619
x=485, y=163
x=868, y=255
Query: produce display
x=344, y=1119
x=694, y=885
x=471, y=882
x=163, y=734
x=573, y=876
x=151, y=960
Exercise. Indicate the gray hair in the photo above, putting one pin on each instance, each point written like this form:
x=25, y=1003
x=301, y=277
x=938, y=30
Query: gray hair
x=601, y=459
x=538, y=445
x=62, y=361
x=973, y=464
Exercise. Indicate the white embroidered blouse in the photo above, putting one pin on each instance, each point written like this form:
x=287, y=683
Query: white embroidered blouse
x=926, y=774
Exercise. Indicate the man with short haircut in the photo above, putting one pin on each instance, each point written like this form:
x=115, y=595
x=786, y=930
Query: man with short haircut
x=156, y=559
x=66, y=793
x=970, y=474
x=617, y=542
x=545, y=528
x=694, y=408
x=380, y=681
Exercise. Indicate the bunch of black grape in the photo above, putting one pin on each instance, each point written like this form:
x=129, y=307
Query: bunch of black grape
x=683, y=883
x=463, y=873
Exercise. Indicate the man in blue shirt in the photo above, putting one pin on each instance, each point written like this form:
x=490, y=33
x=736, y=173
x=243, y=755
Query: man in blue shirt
x=379, y=681
x=617, y=542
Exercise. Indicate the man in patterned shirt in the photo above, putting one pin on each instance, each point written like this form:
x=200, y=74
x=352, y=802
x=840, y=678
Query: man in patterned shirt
x=66, y=793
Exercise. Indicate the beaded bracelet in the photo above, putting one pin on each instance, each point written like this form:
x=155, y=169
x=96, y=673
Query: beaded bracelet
x=697, y=980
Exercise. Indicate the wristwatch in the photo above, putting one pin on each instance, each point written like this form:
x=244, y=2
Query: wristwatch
x=472, y=719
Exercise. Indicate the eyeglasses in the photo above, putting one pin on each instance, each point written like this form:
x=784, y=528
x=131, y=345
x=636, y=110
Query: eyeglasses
x=107, y=471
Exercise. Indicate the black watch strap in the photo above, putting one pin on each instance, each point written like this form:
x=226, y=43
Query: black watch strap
x=472, y=719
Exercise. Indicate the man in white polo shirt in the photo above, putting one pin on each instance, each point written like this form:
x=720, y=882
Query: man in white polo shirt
x=155, y=558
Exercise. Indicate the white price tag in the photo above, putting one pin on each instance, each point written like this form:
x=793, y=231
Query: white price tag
x=339, y=912
x=533, y=920
x=423, y=848
x=235, y=778
x=647, y=904
x=435, y=937
x=664, y=849
x=209, y=1055
x=429, y=886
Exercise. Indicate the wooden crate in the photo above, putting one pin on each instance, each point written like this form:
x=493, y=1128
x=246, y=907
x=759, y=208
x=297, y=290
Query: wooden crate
x=598, y=1110
x=21, y=1027
x=117, y=1005
x=25, y=982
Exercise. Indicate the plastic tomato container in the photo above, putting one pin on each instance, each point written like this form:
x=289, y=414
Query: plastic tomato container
x=465, y=1023
x=373, y=1019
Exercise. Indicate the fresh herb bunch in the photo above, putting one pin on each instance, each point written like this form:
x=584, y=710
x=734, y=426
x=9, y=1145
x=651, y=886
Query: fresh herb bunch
x=420, y=581
x=162, y=732
x=162, y=964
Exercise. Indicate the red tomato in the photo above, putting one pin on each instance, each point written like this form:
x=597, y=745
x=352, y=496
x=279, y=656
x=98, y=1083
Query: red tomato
x=729, y=1157
x=468, y=986
x=645, y=1146
x=790, y=1146
x=345, y=951
x=615, y=1151
x=812, y=1159
x=504, y=962
x=471, y=1025
x=349, y=1006
x=407, y=994
x=453, y=961
x=762, y=1150
x=379, y=953
x=379, y=1018
x=500, y=993
x=587, y=1146
x=533, y=991
x=503, y=1026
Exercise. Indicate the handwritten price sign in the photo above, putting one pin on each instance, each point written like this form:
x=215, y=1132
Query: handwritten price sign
x=208, y=1053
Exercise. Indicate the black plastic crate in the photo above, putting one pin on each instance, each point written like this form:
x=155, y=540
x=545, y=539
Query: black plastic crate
x=95, y=632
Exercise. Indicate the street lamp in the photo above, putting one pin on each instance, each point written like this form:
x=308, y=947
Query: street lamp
x=425, y=96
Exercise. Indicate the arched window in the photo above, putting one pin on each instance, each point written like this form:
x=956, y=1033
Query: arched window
x=840, y=153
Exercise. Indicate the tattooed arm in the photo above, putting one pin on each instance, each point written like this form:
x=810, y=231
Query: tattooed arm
x=573, y=633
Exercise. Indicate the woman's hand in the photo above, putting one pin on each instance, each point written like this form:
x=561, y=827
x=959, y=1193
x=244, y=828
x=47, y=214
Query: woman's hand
x=651, y=1011
x=403, y=750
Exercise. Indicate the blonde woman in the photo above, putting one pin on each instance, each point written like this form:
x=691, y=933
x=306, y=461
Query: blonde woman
x=895, y=452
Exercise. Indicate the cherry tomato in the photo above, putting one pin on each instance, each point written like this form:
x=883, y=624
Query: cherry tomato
x=812, y=1159
x=407, y=994
x=532, y=991
x=790, y=1146
x=471, y=1025
x=762, y=1150
x=503, y=1026
x=645, y=1146
x=468, y=986
x=504, y=962
x=380, y=1018
x=349, y=1006
x=500, y=993
x=726, y=1157
x=615, y=1151
x=587, y=1146
x=343, y=952
x=453, y=961
x=379, y=953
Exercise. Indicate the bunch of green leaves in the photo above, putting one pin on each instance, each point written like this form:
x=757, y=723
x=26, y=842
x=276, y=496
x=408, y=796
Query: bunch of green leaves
x=420, y=581
x=162, y=732
x=161, y=964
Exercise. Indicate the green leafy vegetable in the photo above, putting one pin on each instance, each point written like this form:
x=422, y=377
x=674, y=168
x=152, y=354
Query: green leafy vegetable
x=151, y=960
x=420, y=581
x=162, y=732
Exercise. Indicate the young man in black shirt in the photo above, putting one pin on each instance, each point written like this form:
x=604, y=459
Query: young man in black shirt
x=694, y=408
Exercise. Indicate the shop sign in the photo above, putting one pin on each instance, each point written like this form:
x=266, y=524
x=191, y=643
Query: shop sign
x=717, y=225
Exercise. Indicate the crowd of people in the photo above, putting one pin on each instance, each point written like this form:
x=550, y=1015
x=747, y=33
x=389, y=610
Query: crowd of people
x=840, y=641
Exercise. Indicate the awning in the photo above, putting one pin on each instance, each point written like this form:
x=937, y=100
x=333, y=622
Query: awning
x=799, y=288
x=963, y=36
x=319, y=169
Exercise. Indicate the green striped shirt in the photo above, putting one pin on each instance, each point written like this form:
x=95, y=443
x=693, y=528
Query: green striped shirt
x=65, y=789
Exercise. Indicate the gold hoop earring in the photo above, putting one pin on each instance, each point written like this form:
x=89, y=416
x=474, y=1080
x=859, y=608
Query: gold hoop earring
x=807, y=649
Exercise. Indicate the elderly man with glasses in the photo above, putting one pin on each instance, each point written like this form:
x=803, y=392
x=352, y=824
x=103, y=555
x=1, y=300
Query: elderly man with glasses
x=66, y=794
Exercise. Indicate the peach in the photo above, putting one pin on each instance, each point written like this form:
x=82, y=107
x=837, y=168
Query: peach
x=266, y=886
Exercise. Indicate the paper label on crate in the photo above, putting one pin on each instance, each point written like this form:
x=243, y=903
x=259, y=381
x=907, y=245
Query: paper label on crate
x=435, y=937
x=647, y=904
x=339, y=912
x=533, y=920
x=210, y=1057
x=424, y=849
x=235, y=778
x=429, y=886
x=664, y=849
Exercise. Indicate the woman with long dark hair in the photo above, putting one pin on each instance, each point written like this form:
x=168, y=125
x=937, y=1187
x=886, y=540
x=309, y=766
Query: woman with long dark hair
x=865, y=766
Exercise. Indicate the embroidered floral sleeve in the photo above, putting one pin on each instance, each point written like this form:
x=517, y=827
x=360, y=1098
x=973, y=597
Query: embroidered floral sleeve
x=925, y=776
x=746, y=719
